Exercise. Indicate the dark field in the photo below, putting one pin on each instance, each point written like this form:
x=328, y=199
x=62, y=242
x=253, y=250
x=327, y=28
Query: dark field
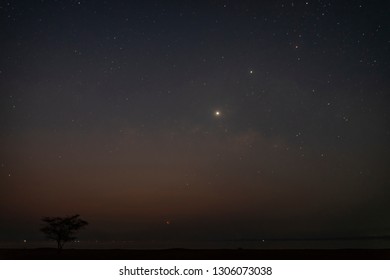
x=186, y=254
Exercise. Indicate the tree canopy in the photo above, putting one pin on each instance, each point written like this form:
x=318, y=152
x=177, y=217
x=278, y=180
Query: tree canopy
x=62, y=229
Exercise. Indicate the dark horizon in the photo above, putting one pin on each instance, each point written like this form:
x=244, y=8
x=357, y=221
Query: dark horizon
x=362, y=243
x=196, y=120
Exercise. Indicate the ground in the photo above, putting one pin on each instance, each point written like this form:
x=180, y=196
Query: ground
x=185, y=254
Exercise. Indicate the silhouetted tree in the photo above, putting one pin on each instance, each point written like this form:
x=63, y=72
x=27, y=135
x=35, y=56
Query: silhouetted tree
x=62, y=229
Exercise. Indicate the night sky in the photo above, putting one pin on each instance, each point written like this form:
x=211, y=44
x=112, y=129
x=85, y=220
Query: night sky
x=196, y=120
